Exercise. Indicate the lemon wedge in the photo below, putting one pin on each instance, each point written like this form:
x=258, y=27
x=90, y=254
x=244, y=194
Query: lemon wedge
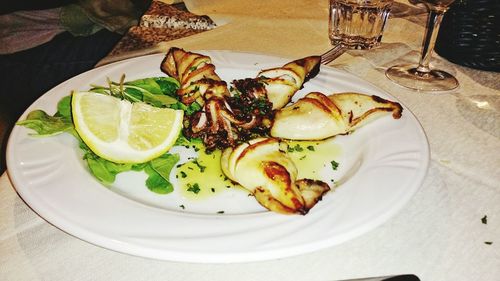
x=124, y=132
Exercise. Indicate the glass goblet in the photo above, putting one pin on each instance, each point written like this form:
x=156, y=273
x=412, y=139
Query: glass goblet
x=421, y=77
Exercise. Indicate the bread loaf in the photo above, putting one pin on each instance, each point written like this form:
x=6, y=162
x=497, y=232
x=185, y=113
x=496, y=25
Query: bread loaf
x=161, y=15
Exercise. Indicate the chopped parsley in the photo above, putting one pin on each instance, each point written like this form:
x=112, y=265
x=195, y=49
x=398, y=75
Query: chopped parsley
x=335, y=165
x=183, y=174
x=220, y=212
x=296, y=148
x=262, y=105
x=488, y=242
x=182, y=207
x=484, y=219
x=310, y=148
x=195, y=188
x=201, y=167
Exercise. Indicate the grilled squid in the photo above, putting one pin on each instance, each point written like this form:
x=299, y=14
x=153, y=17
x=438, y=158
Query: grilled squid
x=317, y=116
x=224, y=119
x=196, y=75
x=282, y=83
x=263, y=168
x=229, y=116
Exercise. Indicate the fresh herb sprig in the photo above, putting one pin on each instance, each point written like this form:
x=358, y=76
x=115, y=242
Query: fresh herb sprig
x=157, y=91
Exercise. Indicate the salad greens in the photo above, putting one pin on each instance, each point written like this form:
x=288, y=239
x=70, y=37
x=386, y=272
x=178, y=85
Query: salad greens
x=46, y=125
x=157, y=91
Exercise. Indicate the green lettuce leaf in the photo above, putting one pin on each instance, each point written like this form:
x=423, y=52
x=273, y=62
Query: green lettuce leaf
x=158, y=172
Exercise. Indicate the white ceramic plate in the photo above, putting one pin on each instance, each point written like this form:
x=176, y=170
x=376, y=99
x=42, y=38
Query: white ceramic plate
x=381, y=167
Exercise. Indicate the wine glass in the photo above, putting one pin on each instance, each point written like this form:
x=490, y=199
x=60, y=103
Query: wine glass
x=421, y=77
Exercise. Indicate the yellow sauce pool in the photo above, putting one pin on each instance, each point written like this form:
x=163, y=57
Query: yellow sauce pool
x=202, y=177
x=311, y=157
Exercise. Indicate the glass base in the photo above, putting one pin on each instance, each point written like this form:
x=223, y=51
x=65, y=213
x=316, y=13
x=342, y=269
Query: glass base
x=356, y=43
x=408, y=76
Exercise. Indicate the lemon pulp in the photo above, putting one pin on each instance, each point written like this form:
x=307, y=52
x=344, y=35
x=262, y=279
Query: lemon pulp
x=124, y=132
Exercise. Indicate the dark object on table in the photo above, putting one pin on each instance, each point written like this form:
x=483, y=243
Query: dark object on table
x=403, y=277
x=409, y=277
x=46, y=42
x=470, y=34
x=28, y=74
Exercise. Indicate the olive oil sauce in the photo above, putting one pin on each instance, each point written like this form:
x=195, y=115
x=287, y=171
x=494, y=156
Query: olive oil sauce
x=202, y=177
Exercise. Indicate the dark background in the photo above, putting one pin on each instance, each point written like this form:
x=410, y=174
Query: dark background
x=28, y=74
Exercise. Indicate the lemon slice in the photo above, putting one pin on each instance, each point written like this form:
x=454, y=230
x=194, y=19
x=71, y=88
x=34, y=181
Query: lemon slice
x=124, y=132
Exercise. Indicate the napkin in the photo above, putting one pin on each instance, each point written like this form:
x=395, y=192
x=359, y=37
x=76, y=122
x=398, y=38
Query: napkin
x=88, y=16
x=24, y=30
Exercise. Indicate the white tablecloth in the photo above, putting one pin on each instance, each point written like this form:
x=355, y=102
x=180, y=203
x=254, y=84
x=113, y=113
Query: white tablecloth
x=438, y=235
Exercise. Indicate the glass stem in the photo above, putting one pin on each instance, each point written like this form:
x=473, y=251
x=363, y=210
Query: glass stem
x=430, y=36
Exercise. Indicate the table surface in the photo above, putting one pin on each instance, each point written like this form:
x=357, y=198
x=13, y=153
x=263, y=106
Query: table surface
x=441, y=234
